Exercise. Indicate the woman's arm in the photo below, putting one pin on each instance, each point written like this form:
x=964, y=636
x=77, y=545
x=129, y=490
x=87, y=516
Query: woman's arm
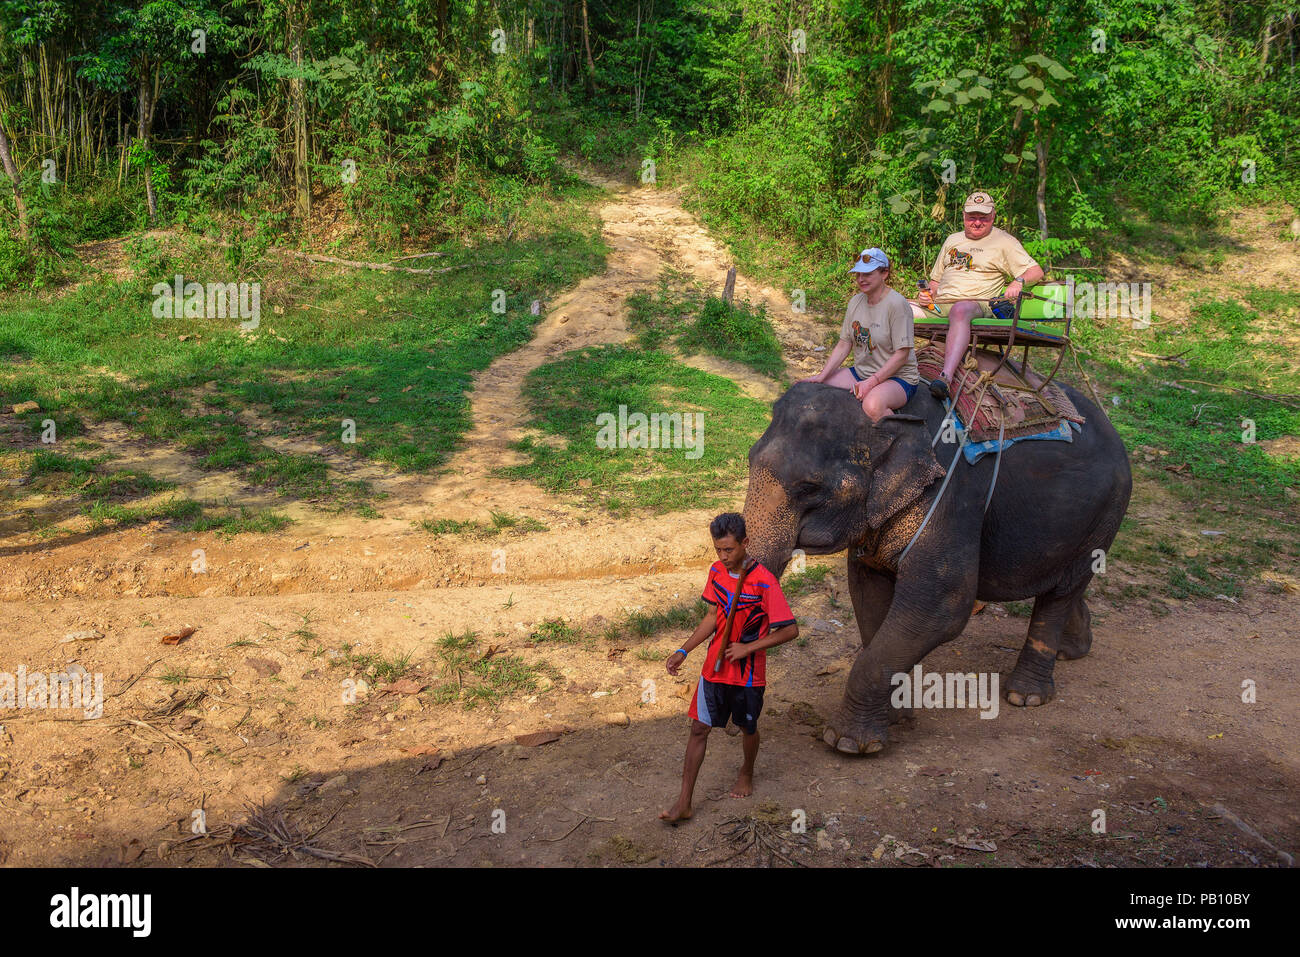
x=886, y=372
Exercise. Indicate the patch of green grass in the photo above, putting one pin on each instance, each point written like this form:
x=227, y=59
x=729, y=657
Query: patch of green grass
x=682, y=312
x=452, y=641
x=677, y=618
x=108, y=495
x=87, y=478
x=808, y=580
x=556, y=630
x=103, y=514
x=498, y=677
x=500, y=521
x=566, y=397
x=473, y=679
x=376, y=668
x=248, y=520
x=1200, y=415
x=1272, y=299
x=446, y=526
x=738, y=332
x=1194, y=578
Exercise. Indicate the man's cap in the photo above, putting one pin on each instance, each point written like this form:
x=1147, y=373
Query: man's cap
x=979, y=202
x=869, y=260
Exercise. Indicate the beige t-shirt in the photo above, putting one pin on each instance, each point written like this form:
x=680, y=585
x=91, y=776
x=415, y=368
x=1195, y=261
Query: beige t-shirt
x=878, y=331
x=978, y=268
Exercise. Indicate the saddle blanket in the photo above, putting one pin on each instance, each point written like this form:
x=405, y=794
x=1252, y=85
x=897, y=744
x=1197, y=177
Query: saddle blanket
x=1005, y=405
x=974, y=451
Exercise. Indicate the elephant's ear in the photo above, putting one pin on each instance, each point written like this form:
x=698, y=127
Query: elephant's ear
x=902, y=465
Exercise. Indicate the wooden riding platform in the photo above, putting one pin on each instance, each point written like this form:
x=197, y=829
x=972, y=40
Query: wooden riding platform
x=997, y=396
x=1039, y=317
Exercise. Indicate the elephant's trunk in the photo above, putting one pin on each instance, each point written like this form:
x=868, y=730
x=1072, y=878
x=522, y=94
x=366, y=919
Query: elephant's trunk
x=770, y=523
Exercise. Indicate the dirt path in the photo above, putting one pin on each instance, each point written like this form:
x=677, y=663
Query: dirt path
x=1149, y=728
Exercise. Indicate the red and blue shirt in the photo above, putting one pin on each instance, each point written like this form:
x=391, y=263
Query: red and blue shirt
x=761, y=608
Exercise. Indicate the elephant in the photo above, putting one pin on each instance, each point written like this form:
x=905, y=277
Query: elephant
x=824, y=477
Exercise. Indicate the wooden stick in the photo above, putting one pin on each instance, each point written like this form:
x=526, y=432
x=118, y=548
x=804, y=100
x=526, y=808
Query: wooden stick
x=731, y=614
x=1279, y=399
x=1151, y=355
x=401, y=259
x=357, y=264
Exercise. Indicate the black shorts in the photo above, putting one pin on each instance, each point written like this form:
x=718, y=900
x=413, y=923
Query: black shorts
x=715, y=704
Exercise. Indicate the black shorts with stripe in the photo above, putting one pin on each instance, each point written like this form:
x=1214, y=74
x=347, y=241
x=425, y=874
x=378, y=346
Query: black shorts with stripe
x=715, y=704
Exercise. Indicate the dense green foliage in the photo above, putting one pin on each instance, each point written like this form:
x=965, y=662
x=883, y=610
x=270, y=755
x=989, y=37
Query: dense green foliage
x=825, y=121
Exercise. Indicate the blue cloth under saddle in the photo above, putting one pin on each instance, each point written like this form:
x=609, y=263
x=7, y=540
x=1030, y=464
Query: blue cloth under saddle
x=975, y=451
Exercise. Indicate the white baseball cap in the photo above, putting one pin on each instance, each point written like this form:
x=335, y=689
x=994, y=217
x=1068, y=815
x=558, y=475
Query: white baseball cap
x=869, y=260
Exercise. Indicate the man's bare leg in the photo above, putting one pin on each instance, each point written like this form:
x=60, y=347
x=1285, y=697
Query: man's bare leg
x=744, y=785
x=695, y=747
x=955, y=345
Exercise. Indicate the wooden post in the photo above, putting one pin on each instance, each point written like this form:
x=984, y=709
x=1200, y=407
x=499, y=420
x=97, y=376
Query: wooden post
x=729, y=288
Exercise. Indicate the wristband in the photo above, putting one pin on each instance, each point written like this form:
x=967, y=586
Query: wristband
x=684, y=652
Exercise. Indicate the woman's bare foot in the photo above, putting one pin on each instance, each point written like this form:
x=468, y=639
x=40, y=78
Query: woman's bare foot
x=678, y=812
x=744, y=785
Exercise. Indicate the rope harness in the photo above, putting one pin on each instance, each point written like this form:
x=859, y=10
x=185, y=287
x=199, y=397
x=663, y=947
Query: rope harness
x=984, y=381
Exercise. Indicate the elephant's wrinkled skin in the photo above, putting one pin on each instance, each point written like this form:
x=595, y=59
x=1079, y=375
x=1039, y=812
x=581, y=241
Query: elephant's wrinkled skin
x=824, y=478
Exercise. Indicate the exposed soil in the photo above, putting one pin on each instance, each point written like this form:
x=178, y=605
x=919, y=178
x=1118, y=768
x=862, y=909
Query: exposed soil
x=1149, y=728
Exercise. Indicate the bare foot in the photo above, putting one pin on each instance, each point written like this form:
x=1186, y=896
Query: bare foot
x=744, y=785
x=678, y=812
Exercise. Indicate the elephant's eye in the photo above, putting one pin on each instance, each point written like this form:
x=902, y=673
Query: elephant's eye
x=803, y=489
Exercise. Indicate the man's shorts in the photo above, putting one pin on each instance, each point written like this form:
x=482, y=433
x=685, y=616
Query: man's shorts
x=908, y=387
x=715, y=703
x=985, y=310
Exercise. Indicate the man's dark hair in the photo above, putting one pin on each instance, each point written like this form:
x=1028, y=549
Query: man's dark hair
x=728, y=523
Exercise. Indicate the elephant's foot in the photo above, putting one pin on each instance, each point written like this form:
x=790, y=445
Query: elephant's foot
x=1026, y=691
x=853, y=735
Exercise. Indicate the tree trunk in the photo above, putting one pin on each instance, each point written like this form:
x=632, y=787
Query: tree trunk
x=12, y=172
x=298, y=111
x=1040, y=141
x=586, y=42
x=146, y=124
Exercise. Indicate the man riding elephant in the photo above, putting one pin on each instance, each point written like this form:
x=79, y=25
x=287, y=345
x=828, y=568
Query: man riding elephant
x=971, y=269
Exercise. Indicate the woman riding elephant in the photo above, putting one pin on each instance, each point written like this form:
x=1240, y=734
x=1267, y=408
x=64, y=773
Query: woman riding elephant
x=878, y=329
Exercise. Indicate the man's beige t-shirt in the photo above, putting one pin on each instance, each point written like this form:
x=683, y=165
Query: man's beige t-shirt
x=878, y=331
x=978, y=268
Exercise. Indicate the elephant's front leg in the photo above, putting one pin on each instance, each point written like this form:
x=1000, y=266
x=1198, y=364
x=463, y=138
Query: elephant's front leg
x=906, y=635
x=872, y=592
